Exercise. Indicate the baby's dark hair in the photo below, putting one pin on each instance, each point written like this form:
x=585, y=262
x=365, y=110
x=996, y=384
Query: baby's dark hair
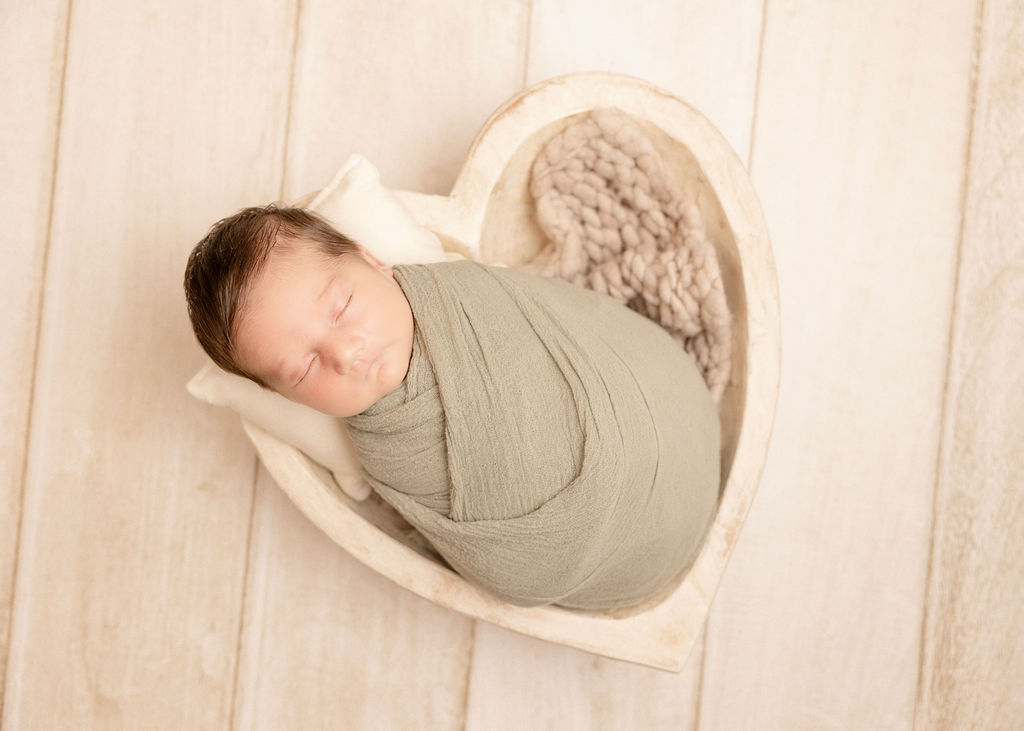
x=224, y=263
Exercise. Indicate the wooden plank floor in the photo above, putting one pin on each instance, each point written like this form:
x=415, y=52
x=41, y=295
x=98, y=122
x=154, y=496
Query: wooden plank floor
x=153, y=576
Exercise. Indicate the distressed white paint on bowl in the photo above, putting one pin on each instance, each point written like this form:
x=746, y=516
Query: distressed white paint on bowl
x=488, y=216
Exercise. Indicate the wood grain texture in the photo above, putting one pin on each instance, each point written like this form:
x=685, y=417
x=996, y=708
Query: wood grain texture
x=32, y=44
x=329, y=643
x=406, y=86
x=972, y=672
x=520, y=682
x=859, y=145
x=670, y=46
x=705, y=54
x=364, y=641
x=132, y=563
x=137, y=499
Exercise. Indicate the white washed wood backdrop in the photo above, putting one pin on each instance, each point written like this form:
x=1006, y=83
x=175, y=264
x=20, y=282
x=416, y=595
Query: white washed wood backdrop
x=152, y=576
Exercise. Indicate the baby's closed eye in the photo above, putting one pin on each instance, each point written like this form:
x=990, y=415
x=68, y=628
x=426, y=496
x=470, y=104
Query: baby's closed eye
x=341, y=311
x=309, y=368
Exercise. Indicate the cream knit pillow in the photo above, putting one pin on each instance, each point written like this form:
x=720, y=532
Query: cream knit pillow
x=370, y=214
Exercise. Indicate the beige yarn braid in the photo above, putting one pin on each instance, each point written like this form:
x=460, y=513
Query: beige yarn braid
x=617, y=222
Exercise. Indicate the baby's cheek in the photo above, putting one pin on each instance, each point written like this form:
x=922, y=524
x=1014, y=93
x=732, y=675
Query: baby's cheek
x=387, y=376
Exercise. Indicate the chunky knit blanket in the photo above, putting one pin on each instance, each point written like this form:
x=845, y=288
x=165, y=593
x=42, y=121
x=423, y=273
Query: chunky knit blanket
x=619, y=223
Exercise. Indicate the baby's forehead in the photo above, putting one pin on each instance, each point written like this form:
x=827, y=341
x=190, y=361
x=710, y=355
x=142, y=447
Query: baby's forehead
x=289, y=257
x=300, y=247
x=286, y=245
x=303, y=271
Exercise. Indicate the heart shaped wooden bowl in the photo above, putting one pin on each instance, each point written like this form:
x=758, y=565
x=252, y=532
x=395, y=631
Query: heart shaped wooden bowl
x=489, y=217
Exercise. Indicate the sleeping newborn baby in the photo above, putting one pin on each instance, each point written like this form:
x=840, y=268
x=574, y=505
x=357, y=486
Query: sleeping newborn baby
x=553, y=445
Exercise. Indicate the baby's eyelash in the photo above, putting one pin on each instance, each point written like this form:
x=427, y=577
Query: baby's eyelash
x=342, y=310
x=308, y=369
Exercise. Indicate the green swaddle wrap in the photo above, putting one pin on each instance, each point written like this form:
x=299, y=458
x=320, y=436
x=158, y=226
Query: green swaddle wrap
x=553, y=445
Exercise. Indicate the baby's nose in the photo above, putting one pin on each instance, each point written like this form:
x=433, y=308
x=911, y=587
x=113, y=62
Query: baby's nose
x=346, y=352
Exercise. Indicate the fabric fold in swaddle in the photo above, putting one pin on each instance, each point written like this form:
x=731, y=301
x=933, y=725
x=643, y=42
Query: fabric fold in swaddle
x=553, y=445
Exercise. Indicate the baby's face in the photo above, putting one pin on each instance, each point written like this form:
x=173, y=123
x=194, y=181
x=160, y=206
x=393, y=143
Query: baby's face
x=334, y=333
